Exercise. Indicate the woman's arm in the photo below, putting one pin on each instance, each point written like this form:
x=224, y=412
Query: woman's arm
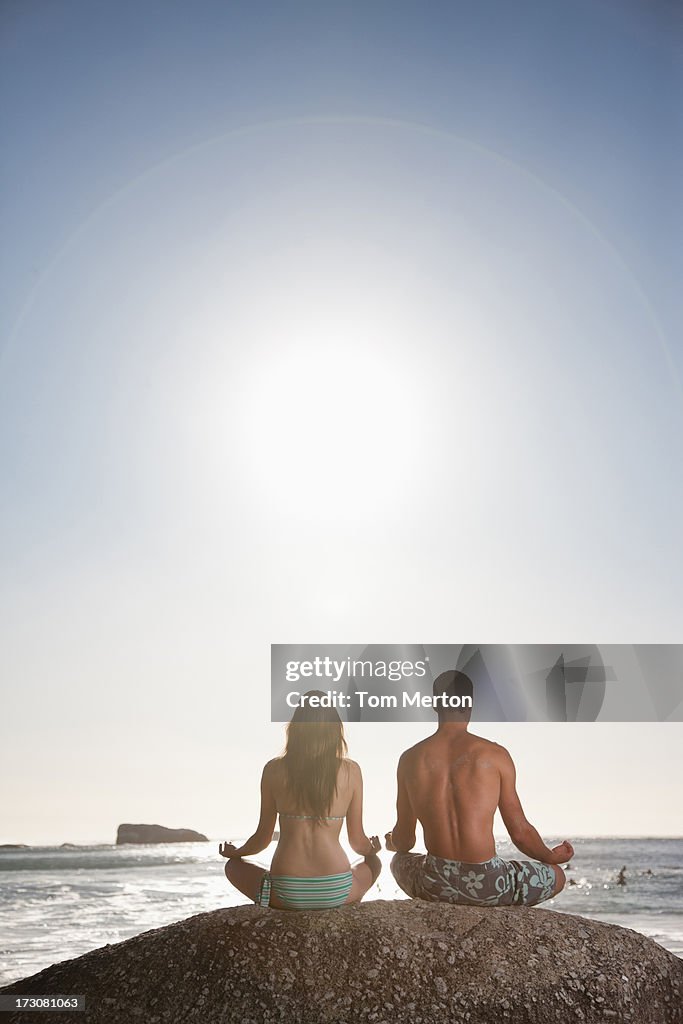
x=358, y=840
x=263, y=835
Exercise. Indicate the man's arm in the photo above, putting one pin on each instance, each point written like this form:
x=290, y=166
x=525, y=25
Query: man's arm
x=401, y=839
x=522, y=832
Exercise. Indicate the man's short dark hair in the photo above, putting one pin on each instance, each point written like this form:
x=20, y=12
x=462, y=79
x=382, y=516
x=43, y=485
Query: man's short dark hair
x=453, y=684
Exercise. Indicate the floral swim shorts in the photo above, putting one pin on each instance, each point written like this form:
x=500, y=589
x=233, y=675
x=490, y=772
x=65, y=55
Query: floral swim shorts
x=493, y=883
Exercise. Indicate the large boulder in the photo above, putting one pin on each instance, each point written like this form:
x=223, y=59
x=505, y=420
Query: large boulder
x=157, y=834
x=398, y=962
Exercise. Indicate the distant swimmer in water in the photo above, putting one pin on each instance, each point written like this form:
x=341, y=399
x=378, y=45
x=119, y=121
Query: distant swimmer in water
x=621, y=880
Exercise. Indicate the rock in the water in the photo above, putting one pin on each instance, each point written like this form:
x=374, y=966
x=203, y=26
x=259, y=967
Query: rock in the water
x=157, y=834
x=399, y=962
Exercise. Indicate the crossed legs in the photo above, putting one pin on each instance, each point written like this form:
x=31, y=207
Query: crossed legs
x=247, y=878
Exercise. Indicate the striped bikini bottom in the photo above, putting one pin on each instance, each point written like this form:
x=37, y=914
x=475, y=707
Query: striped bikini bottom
x=318, y=893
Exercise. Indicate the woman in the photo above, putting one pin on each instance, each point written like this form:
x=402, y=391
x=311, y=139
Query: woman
x=313, y=786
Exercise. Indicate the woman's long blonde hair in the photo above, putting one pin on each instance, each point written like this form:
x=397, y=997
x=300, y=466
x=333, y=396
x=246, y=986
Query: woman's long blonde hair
x=313, y=755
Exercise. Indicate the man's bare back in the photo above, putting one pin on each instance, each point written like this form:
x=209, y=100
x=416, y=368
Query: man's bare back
x=453, y=782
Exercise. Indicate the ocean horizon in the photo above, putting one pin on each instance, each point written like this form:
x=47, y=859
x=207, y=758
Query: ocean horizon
x=57, y=902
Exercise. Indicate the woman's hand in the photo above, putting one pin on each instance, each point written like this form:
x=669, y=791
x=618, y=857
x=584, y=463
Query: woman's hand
x=375, y=846
x=228, y=850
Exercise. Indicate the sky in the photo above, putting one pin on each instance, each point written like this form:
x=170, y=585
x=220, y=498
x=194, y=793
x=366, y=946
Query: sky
x=329, y=323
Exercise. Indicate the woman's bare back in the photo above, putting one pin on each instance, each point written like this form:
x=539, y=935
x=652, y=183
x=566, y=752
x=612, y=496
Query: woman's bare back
x=308, y=847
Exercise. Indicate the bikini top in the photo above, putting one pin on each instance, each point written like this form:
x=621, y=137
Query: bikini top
x=312, y=817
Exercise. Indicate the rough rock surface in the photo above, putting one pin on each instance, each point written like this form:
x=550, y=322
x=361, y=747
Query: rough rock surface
x=157, y=834
x=399, y=962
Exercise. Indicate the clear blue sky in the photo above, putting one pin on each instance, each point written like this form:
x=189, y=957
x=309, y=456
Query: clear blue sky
x=323, y=323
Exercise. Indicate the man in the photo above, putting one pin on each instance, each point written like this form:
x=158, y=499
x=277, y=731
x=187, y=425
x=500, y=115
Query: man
x=452, y=782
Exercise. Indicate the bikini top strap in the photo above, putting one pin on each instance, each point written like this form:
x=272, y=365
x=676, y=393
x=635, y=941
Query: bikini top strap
x=311, y=817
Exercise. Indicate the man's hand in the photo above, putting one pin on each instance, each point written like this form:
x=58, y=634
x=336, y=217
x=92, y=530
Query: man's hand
x=228, y=850
x=388, y=842
x=562, y=853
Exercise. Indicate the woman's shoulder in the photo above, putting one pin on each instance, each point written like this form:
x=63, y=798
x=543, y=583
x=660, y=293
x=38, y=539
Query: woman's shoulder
x=352, y=768
x=272, y=768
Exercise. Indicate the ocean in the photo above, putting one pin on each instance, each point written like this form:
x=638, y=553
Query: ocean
x=59, y=902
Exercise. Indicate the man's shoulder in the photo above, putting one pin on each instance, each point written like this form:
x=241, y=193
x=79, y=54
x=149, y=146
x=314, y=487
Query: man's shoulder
x=501, y=756
x=491, y=749
x=414, y=752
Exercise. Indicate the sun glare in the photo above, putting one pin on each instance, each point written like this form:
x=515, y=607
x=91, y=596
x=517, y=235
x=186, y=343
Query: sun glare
x=331, y=422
